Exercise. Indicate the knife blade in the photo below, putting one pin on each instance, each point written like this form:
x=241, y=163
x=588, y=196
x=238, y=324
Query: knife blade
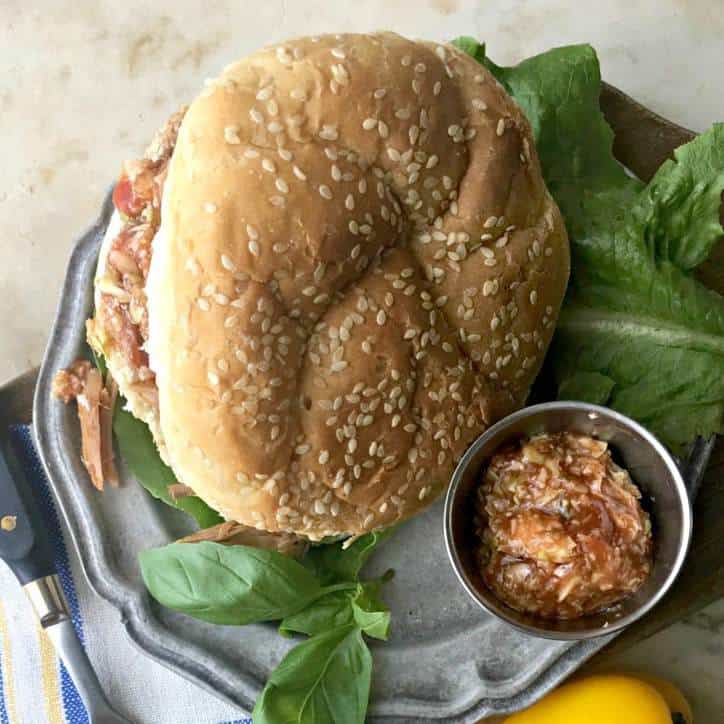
x=25, y=547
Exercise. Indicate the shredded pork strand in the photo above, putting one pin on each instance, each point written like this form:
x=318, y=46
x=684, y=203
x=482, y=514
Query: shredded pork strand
x=179, y=490
x=84, y=383
x=233, y=533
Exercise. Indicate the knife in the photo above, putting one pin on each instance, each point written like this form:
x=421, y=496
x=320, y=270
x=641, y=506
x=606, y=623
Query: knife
x=25, y=547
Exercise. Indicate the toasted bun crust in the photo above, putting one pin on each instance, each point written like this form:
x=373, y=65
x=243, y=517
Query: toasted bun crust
x=359, y=269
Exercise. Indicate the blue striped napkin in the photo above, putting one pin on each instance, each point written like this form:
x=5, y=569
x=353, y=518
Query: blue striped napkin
x=35, y=687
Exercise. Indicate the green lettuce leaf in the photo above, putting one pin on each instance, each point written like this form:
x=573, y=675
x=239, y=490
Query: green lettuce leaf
x=637, y=332
x=140, y=454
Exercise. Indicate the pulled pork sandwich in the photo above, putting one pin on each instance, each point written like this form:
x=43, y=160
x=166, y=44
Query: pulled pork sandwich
x=327, y=277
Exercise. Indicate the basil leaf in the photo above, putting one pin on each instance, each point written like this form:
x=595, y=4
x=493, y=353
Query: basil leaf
x=227, y=584
x=359, y=604
x=324, y=680
x=370, y=614
x=329, y=611
x=139, y=451
x=334, y=564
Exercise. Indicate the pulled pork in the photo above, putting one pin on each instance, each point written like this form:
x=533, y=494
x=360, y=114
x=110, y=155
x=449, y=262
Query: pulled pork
x=84, y=383
x=123, y=311
x=233, y=533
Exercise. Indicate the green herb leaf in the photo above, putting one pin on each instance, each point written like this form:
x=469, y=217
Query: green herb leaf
x=329, y=611
x=359, y=605
x=228, y=584
x=370, y=613
x=325, y=680
x=332, y=563
x=140, y=454
x=636, y=331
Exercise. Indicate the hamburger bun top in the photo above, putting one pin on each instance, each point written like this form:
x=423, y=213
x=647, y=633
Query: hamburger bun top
x=358, y=270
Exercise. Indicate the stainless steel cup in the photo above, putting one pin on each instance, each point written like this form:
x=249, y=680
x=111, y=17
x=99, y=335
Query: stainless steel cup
x=651, y=467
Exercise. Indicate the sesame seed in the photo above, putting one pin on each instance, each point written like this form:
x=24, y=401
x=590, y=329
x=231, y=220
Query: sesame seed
x=231, y=135
x=533, y=296
x=284, y=56
x=323, y=457
x=298, y=94
x=336, y=173
x=437, y=88
x=340, y=74
x=500, y=128
x=383, y=129
x=210, y=208
x=203, y=305
x=349, y=202
x=268, y=165
x=256, y=116
x=274, y=127
x=264, y=94
x=339, y=365
x=381, y=317
x=380, y=93
x=338, y=53
x=329, y=133
x=325, y=191
x=285, y=154
x=393, y=154
x=213, y=377
x=272, y=108
x=282, y=185
x=254, y=247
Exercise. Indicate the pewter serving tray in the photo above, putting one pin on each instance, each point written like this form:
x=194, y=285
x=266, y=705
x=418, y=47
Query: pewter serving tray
x=446, y=660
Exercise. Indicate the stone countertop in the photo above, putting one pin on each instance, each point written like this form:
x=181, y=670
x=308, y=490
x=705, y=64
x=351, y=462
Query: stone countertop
x=84, y=84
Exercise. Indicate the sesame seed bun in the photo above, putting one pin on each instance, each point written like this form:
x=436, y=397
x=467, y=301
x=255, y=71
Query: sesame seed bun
x=359, y=269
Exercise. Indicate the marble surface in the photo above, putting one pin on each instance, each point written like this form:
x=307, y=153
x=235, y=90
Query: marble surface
x=84, y=83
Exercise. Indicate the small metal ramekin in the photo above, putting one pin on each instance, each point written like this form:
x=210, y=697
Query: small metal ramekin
x=651, y=467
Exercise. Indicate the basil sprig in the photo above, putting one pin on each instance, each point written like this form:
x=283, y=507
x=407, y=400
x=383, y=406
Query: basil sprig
x=326, y=678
